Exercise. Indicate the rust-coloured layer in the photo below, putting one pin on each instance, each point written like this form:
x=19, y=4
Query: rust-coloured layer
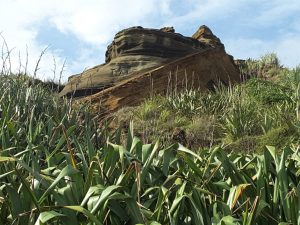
x=199, y=70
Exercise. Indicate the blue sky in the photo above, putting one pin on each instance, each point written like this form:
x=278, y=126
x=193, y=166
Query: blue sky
x=80, y=30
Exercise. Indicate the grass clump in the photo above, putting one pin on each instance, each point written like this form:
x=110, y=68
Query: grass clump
x=267, y=66
x=203, y=132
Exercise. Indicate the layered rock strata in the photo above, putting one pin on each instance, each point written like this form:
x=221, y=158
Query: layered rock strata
x=141, y=62
x=136, y=50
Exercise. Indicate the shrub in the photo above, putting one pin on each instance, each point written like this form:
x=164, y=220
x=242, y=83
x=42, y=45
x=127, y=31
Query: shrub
x=203, y=132
x=266, y=92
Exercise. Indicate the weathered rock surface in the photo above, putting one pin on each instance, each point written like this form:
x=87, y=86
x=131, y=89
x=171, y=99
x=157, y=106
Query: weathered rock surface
x=136, y=50
x=141, y=62
x=202, y=70
x=205, y=35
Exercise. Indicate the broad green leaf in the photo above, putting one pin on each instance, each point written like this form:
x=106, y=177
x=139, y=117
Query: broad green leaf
x=147, y=164
x=135, y=211
x=67, y=171
x=103, y=197
x=184, y=149
x=229, y=220
x=46, y=216
x=85, y=212
x=61, y=141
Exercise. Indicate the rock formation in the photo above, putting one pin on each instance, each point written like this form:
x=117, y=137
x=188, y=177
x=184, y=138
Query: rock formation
x=136, y=50
x=202, y=70
x=205, y=35
x=140, y=61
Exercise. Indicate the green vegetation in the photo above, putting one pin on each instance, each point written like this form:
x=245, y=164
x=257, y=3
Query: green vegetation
x=58, y=166
x=263, y=110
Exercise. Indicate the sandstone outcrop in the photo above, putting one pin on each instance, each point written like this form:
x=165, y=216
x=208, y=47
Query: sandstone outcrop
x=141, y=62
x=199, y=70
x=205, y=35
x=136, y=50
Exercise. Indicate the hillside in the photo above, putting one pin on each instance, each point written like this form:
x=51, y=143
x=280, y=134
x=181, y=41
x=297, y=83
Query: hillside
x=256, y=113
x=58, y=166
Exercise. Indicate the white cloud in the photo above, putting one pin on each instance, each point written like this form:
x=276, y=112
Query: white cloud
x=19, y=23
x=276, y=11
x=243, y=48
x=165, y=7
x=94, y=22
x=97, y=21
x=287, y=48
x=264, y=16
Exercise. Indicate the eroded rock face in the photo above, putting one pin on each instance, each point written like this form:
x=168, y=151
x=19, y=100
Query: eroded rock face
x=205, y=35
x=202, y=69
x=137, y=50
x=168, y=29
x=163, y=43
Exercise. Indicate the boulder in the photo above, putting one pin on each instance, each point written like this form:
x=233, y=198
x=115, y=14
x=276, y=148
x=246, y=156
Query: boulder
x=136, y=50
